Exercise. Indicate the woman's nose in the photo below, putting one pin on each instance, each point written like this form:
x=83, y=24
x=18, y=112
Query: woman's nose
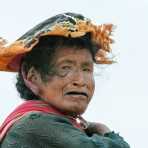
x=78, y=79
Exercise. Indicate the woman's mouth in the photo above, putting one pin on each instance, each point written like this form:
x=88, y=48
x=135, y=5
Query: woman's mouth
x=77, y=94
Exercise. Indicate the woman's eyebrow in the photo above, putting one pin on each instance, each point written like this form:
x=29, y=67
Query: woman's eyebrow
x=89, y=63
x=67, y=61
x=85, y=63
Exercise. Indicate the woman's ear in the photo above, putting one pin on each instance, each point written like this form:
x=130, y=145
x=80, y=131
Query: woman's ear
x=33, y=80
x=33, y=76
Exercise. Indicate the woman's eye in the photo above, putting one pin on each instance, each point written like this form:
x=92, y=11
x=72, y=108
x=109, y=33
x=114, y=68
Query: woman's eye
x=87, y=69
x=66, y=67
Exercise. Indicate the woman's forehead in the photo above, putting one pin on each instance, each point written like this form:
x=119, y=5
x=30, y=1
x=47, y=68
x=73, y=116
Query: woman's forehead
x=69, y=55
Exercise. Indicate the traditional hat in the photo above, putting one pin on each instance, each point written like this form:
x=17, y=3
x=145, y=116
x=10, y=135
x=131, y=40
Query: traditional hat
x=66, y=24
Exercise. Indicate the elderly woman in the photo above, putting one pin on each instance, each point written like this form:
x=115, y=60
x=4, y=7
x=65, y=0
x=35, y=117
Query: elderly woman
x=55, y=65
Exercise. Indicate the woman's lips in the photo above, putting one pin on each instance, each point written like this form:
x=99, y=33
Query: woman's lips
x=77, y=94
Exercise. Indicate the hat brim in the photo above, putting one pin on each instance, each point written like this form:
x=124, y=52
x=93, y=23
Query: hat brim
x=10, y=56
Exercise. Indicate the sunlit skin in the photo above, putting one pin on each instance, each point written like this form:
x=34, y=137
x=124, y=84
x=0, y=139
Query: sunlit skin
x=71, y=88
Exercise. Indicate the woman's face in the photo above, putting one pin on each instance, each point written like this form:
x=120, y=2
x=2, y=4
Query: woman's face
x=72, y=87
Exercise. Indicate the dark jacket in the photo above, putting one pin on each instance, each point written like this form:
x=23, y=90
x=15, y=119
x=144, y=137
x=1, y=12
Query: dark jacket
x=41, y=130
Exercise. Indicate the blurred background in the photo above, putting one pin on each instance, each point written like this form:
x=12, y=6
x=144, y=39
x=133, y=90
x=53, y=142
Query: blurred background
x=120, y=99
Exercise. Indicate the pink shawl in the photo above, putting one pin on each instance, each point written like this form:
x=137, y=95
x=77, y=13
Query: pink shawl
x=31, y=106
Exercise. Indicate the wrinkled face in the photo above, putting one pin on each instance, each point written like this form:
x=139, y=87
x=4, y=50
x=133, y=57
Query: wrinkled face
x=71, y=88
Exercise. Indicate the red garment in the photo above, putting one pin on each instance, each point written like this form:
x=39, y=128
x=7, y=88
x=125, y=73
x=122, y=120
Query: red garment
x=31, y=106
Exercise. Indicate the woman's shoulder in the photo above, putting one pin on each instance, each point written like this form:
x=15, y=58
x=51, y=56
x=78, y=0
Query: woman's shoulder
x=33, y=126
x=37, y=118
x=36, y=123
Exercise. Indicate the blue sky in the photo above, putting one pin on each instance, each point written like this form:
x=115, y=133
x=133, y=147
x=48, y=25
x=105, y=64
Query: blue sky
x=120, y=99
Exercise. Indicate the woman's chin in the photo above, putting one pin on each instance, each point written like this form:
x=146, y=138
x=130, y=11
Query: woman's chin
x=76, y=110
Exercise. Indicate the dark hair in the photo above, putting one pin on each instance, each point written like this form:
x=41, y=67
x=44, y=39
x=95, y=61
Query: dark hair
x=42, y=54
